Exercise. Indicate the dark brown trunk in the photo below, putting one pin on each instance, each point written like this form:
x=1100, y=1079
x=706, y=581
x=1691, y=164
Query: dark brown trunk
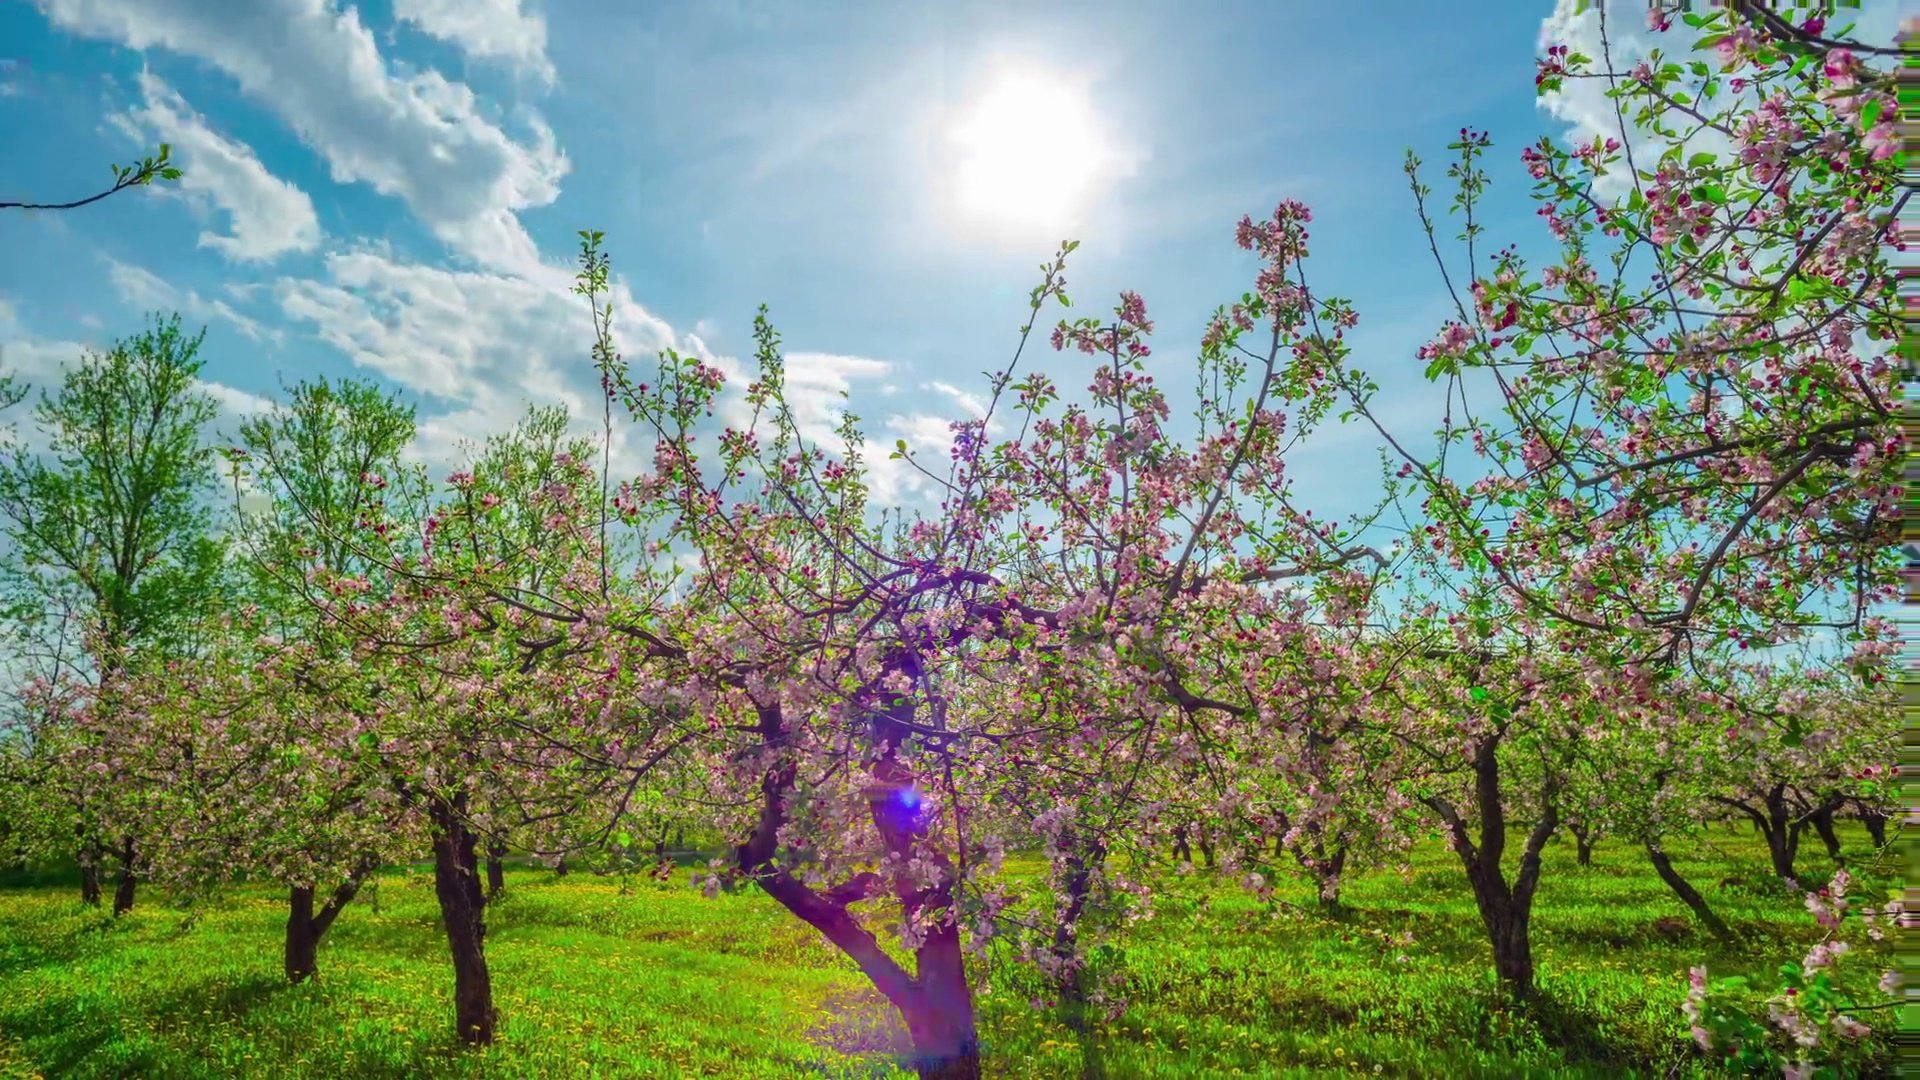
x=303, y=945
x=1776, y=823
x=1583, y=841
x=1182, y=851
x=560, y=868
x=1782, y=832
x=1876, y=823
x=1329, y=875
x=90, y=883
x=1206, y=848
x=1823, y=825
x=1512, y=945
x=123, y=889
x=456, y=882
x=496, y=870
x=1683, y=889
x=1311, y=853
x=1506, y=910
x=305, y=926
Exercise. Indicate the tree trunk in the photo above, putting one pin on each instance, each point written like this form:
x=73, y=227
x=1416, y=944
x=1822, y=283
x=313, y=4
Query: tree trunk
x=1823, y=825
x=123, y=890
x=90, y=883
x=1507, y=928
x=305, y=926
x=1328, y=872
x=1506, y=910
x=456, y=882
x=935, y=1002
x=1876, y=823
x=1776, y=824
x=303, y=944
x=1076, y=1006
x=1783, y=833
x=496, y=870
x=1182, y=850
x=1683, y=889
x=945, y=1042
x=1583, y=841
x=560, y=868
x=1206, y=848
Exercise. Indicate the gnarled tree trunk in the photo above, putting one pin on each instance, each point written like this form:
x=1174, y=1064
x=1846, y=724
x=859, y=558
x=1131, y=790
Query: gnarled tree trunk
x=456, y=882
x=305, y=926
x=1822, y=821
x=1506, y=908
x=1683, y=889
x=935, y=1001
x=1876, y=823
x=1776, y=822
x=1583, y=841
x=1075, y=1004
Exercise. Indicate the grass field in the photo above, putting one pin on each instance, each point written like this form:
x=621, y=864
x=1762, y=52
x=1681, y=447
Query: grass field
x=655, y=981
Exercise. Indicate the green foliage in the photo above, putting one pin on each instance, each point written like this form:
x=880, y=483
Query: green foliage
x=307, y=457
x=112, y=520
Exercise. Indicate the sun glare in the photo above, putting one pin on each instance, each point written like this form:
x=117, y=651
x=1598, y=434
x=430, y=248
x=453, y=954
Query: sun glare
x=1029, y=152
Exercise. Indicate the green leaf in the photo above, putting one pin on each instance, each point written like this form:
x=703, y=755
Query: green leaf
x=1478, y=694
x=1698, y=161
x=1712, y=193
x=1870, y=114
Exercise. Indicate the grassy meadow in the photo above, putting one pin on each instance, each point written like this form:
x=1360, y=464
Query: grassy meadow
x=596, y=979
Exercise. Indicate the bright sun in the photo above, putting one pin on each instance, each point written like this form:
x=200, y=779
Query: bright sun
x=1030, y=150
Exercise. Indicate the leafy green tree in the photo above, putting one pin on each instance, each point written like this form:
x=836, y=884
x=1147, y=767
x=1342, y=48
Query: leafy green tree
x=309, y=460
x=111, y=521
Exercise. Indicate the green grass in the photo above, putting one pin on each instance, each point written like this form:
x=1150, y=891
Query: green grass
x=658, y=982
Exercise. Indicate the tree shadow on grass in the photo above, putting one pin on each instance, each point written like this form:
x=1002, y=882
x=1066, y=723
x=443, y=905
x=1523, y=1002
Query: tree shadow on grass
x=60, y=1035
x=1578, y=1033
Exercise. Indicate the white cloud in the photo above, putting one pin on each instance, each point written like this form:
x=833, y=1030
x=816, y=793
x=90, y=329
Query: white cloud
x=1614, y=33
x=419, y=137
x=269, y=216
x=145, y=289
x=485, y=30
x=480, y=346
x=970, y=402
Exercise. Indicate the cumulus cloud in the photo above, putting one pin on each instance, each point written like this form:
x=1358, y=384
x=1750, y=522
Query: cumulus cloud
x=479, y=346
x=418, y=137
x=268, y=215
x=1614, y=33
x=145, y=289
x=495, y=30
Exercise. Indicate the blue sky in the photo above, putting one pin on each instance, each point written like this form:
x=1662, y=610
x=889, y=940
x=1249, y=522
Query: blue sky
x=392, y=188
